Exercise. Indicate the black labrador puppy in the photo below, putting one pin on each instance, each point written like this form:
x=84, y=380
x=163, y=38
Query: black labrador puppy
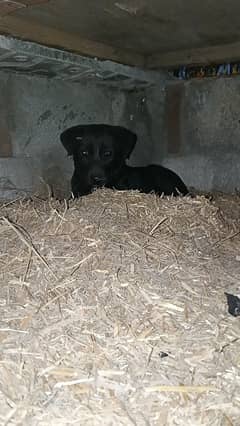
x=100, y=152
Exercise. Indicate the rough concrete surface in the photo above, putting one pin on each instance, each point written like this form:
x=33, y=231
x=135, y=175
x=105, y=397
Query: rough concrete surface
x=209, y=158
x=36, y=110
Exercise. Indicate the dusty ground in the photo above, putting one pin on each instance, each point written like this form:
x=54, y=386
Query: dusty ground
x=112, y=311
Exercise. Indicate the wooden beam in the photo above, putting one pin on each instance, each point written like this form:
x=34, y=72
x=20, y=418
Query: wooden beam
x=199, y=56
x=10, y=6
x=33, y=31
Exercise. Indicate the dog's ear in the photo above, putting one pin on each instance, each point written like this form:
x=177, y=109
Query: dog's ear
x=71, y=137
x=126, y=140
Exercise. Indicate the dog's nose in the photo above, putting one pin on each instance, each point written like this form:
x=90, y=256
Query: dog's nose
x=98, y=180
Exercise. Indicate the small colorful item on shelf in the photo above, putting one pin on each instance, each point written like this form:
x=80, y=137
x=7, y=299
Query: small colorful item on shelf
x=235, y=69
x=228, y=69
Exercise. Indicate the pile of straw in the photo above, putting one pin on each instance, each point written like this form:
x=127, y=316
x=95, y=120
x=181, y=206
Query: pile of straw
x=112, y=311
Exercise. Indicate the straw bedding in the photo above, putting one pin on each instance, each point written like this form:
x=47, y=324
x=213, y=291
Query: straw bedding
x=113, y=311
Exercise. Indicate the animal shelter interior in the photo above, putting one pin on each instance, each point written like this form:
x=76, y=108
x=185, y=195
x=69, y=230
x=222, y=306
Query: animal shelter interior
x=119, y=304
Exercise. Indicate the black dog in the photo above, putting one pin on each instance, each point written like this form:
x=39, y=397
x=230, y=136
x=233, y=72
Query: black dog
x=100, y=152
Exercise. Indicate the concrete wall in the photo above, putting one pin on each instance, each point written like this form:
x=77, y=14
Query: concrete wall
x=192, y=127
x=34, y=111
x=201, y=135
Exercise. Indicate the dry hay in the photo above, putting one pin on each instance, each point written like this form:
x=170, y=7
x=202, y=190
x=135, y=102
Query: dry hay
x=113, y=312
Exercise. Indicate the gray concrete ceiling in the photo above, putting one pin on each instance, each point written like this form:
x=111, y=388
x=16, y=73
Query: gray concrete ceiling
x=150, y=33
x=34, y=59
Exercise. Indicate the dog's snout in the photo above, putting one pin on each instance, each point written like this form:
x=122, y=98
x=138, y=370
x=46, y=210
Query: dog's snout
x=98, y=179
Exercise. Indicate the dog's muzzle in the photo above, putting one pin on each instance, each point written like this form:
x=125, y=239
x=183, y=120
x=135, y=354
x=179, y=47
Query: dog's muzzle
x=98, y=181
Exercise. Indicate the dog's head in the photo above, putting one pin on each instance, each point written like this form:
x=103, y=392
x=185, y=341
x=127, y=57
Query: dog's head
x=99, y=150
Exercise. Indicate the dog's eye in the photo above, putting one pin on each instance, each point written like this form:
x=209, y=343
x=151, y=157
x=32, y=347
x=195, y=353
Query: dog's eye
x=107, y=153
x=84, y=153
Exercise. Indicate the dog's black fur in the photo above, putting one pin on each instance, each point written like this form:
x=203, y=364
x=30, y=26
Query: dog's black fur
x=100, y=152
